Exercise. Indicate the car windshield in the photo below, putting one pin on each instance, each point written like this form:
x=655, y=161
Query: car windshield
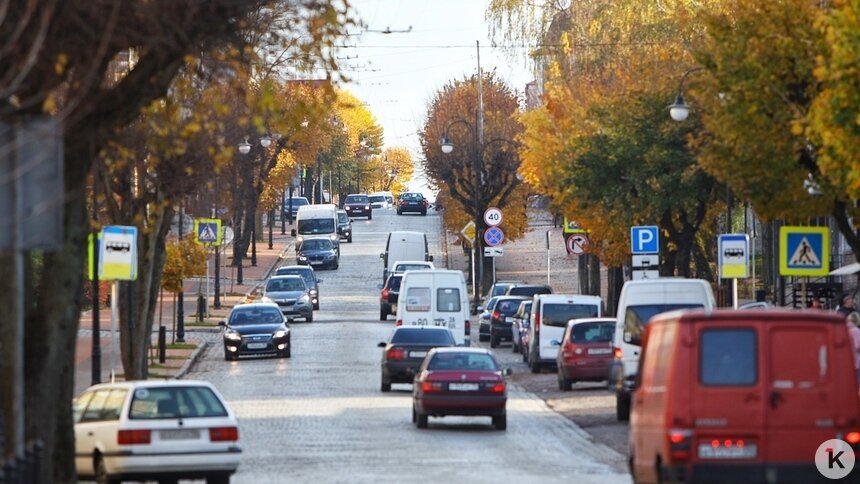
x=356, y=199
x=250, y=316
x=375, y=198
x=296, y=202
x=593, y=332
x=637, y=317
x=316, y=226
x=316, y=244
x=342, y=217
x=419, y=335
x=500, y=289
x=307, y=275
x=529, y=290
x=560, y=313
x=175, y=402
x=491, y=303
x=462, y=361
x=410, y=267
x=281, y=285
x=507, y=306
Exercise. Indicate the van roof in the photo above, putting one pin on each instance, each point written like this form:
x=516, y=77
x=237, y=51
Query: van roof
x=735, y=316
x=666, y=281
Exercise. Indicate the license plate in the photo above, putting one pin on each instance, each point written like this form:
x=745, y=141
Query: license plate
x=316, y=262
x=707, y=451
x=179, y=434
x=509, y=319
x=256, y=346
x=463, y=387
x=417, y=354
x=599, y=351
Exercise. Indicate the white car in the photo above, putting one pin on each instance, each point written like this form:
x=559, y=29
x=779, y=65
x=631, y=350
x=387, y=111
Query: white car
x=155, y=430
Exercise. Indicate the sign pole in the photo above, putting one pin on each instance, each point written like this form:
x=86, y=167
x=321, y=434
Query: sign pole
x=474, y=276
x=735, y=292
x=114, y=315
x=547, y=257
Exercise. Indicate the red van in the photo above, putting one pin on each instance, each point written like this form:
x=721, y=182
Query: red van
x=741, y=396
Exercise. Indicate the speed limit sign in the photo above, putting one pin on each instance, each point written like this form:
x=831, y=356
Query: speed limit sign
x=493, y=217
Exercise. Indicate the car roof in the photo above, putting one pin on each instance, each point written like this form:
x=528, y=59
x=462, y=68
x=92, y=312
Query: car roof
x=420, y=328
x=462, y=349
x=302, y=268
x=514, y=297
x=255, y=303
x=151, y=383
x=574, y=322
x=285, y=276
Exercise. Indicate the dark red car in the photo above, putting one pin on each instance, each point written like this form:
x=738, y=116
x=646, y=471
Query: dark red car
x=585, y=352
x=460, y=381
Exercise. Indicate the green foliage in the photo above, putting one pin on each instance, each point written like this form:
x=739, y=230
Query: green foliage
x=185, y=259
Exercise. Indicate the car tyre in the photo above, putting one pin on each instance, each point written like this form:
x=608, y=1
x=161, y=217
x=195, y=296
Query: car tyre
x=515, y=348
x=220, y=479
x=622, y=407
x=494, y=341
x=383, y=314
x=229, y=356
x=424, y=212
x=316, y=306
x=349, y=239
x=370, y=217
x=289, y=349
x=483, y=337
x=534, y=366
x=564, y=384
x=421, y=420
x=399, y=212
x=414, y=415
x=385, y=386
x=310, y=317
x=500, y=422
x=525, y=356
x=102, y=476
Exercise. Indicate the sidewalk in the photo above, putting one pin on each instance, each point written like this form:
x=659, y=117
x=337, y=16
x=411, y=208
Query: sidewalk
x=179, y=356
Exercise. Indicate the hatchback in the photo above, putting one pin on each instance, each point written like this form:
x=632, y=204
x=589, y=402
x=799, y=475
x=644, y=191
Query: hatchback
x=460, y=381
x=404, y=351
x=317, y=252
x=256, y=328
x=291, y=294
x=344, y=225
x=155, y=430
x=502, y=318
x=389, y=295
x=358, y=205
x=484, y=319
x=310, y=277
x=520, y=328
x=412, y=202
x=585, y=352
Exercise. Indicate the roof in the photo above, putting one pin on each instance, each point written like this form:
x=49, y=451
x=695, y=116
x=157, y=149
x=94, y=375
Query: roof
x=573, y=322
x=461, y=349
x=733, y=316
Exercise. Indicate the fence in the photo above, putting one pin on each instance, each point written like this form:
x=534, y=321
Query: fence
x=25, y=468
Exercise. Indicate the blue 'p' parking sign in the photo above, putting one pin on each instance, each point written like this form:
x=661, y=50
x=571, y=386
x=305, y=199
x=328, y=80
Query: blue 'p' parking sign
x=644, y=239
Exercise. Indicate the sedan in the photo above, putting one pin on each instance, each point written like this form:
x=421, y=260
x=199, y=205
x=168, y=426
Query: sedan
x=502, y=319
x=291, y=294
x=358, y=205
x=310, y=278
x=412, y=202
x=460, y=381
x=404, y=351
x=585, y=352
x=155, y=430
x=317, y=252
x=257, y=328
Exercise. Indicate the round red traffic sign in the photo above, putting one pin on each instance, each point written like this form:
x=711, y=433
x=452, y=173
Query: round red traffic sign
x=577, y=244
x=493, y=217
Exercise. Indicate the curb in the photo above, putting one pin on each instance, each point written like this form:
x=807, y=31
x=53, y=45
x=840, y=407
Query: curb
x=191, y=360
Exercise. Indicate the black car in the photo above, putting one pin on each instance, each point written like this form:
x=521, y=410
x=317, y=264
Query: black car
x=358, y=205
x=412, y=202
x=292, y=204
x=317, y=252
x=528, y=290
x=484, y=319
x=405, y=350
x=257, y=328
x=344, y=225
x=388, y=296
x=502, y=318
x=310, y=277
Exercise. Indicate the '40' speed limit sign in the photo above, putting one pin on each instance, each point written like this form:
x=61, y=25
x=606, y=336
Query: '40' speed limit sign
x=493, y=217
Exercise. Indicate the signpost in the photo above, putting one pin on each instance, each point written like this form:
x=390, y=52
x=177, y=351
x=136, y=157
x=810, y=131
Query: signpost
x=493, y=236
x=117, y=262
x=645, y=247
x=493, y=217
x=577, y=244
x=734, y=260
x=493, y=251
x=804, y=251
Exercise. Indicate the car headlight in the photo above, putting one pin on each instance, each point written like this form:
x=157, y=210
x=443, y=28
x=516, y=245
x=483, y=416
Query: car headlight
x=367, y=207
x=279, y=334
x=302, y=258
x=333, y=237
x=313, y=292
x=233, y=335
x=299, y=239
x=305, y=299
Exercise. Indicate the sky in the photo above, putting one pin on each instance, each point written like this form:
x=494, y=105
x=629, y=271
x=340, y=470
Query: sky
x=397, y=74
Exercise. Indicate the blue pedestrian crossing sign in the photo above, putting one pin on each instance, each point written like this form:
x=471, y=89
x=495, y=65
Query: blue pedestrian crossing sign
x=804, y=251
x=208, y=231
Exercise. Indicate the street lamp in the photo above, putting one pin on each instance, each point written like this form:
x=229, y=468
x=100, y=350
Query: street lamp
x=679, y=110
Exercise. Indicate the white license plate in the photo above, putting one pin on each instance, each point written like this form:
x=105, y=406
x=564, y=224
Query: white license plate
x=463, y=387
x=316, y=262
x=417, y=354
x=599, y=351
x=179, y=434
x=256, y=346
x=707, y=451
x=509, y=319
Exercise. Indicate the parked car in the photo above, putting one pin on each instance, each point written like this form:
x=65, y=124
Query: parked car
x=344, y=225
x=412, y=202
x=310, y=277
x=257, y=328
x=317, y=252
x=520, y=328
x=358, y=205
x=291, y=295
x=499, y=288
x=502, y=318
x=527, y=290
x=484, y=319
x=745, y=395
x=155, y=430
x=388, y=296
x=549, y=317
x=292, y=204
x=411, y=265
x=460, y=381
x=406, y=348
x=585, y=351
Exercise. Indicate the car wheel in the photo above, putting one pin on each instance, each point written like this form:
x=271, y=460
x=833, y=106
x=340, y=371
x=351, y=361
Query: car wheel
x=424, y=212
x=622, y=407
x=370, y=217
x=385, y=386
x=383, y=314
x=221, y=479
x=421, y=420
x=534, y=366
x=564, y=384
x=414, y=415
x=316, y=306
x=483, y=337
x=102, y=476
x=494, y=341
x=514, y=347
x=500, y=422
x=310, y=317
x=349, y=239
x=525, y=356
x=399, y=212
x=229, y=356
x=289, y=348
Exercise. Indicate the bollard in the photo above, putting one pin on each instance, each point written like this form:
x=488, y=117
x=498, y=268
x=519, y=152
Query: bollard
x=201, y=308
x=162, y=343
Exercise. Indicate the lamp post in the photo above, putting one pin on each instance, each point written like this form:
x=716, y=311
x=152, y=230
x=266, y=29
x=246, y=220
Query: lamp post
x=180, y=302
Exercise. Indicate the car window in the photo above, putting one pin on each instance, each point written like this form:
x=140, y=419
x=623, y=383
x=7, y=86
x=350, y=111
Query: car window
x=636, y=317
x=316, y=244
x=291, y=284
x=249, y=316
x=462, y=361
x=356, y=199
x=507, y=306
x=728, y=357
x=175, y=402
x=394, y=283
x=113, y=404
x=558, y=314
x=307, y=275
x=418, y=299
x=410, y=267
x=528, y=290
x=411, y=196
x=298, y=202
x=79, y=404
x=93, y=412
x=492, y=303
x=377, y=199
x=342, y=217
x=418, y=335
x=448, y=300
x=593, y=332
x=524, y=310
x=500, y=289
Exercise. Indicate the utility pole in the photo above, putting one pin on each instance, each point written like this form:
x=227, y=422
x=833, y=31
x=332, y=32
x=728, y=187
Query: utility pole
x=479, y=162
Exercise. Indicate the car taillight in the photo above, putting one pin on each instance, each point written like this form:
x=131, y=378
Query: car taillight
x=224, y=434
x=395, y=354
x=385, y=294
x=429, y=386
x=536, y=323
x=852, y=438
x=680, y=444
x=468, y=326
x=616, y=352
x=132, y=437
x=498, y=388
x=399, y=322
x=497, y=315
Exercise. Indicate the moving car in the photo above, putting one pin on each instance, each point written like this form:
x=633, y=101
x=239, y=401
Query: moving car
x=389, y=295
x=358, y=205
x=404, y=245
x=585, y=351
x=317, y=221
x=412, y=202
x=520, y=328
x=381, y=199
x=291, y=295
x=310, y=277
x=256, y=328
x=317, y=252
x=743, y=396
x=155, y=430
x=460, y=381
x=344, y=225
x=292, y=205
x=435, y=297
x=500, y=287
x=484, y=319
x=502, y=318
x=404, y=351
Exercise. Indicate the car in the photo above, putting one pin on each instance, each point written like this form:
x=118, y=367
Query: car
x=527, y=289
x=310, y=277
x=520, y=328
x=317, y=252
x=549, y=316
x=411, y=265
x=389, y=295
x=344, y=225
x=412, y=202
x=291, y=294
x=381, y=199
x=585, y=351
x=484, y=319
x=404, y=245
x=155, y=430
x=502, y=318
x=358, y=205
x=406, y=348
x=317, y=221
x=256, y=328
x=460, y=381
x=292, y=204
x=500, y=287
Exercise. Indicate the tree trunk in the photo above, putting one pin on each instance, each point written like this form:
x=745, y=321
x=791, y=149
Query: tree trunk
x=616, y=282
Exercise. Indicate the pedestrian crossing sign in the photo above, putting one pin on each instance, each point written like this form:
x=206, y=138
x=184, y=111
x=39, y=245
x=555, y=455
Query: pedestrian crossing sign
x=208, y=231
x=804, y=251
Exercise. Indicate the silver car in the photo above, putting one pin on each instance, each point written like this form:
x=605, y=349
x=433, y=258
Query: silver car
x=292, y=296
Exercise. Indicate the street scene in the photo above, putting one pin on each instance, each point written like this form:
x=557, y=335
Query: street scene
x=378, y=241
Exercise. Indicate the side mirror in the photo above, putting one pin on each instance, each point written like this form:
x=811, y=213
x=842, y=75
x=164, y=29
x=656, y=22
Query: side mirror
x=480, y=308
x=293, y=232
x=382, y=255
x=381, y=344
x=290, y=320
x=507, y=372
x=429, y=258
x=555, y=342
x=319, y=281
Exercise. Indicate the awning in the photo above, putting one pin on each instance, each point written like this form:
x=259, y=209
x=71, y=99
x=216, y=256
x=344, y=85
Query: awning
x=846, y=270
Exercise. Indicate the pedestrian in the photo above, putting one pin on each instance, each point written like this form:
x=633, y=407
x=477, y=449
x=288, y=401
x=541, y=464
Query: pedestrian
x=846, y=305
x=852, y=321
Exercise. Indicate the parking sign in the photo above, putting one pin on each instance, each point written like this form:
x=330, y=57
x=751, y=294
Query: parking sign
x=645, y=239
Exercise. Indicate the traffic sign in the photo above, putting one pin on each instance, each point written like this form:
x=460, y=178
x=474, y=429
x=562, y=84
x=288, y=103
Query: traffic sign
x=804, y=251
x=733, y=253
x=646, y=261
x=494, y=236
x=494, y=251
x=645, y=239
x=645, y=274
x=118, y=253
x=493, y=217
x=577, y=244
x=468, y=232
x=208, y=231
x=571, y=227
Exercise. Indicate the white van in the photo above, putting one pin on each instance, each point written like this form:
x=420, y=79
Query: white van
x=381, y=199
x=435, y=297
x=404, y=245
x=639, y=302
x=316, y=220
x=549, y=317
